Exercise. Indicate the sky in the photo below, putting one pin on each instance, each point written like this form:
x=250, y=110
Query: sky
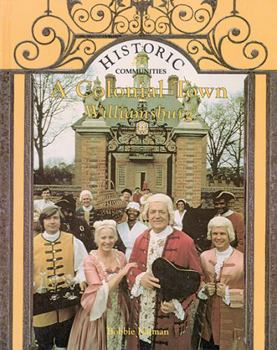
x=113, y=61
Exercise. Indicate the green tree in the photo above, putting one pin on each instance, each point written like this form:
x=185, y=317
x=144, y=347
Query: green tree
x=56, y=174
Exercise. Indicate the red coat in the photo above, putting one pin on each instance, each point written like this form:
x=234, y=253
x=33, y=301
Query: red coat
x=238, y=224
x=179, y=249
x=222, y=321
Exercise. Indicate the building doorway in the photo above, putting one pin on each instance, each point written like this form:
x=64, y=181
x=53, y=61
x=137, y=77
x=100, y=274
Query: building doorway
x=140, y=179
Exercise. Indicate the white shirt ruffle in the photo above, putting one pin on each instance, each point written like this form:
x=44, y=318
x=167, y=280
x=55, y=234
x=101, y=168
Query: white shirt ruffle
x=148, y=296
x=87, y=209
x=220, y=258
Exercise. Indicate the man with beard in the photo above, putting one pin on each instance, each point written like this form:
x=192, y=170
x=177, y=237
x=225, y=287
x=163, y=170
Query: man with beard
x=221, y=203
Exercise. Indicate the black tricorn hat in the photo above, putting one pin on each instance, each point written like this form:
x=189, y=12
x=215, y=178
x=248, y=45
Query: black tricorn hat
x=126, y=190
x=223, y=195
x=176, y=282
x=67, y=202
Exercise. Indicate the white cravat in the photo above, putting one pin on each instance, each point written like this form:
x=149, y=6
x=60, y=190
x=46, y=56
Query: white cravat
x=148, y=296
x=88, y=209
x=220, y=258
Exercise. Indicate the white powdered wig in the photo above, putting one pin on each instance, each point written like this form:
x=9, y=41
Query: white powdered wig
x=221, y=221
x=163, y=198
x=84, y=193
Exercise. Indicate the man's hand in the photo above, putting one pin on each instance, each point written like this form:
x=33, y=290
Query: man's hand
x=149, y=281
x=210, y=288
x=220, y=289
x=167, y=307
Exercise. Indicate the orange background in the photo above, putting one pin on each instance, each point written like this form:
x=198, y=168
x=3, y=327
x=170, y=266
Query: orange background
x=16, y=18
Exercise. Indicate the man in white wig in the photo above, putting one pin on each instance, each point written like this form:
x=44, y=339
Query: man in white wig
x=132, y=228
x=86, y=211
x=222, y=204
x=149, y=312
x=223, y=291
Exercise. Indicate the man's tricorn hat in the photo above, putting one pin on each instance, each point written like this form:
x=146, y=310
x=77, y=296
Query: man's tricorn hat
x=223, y=195
x=126, y=190
x=67, y=202
x=176, y=282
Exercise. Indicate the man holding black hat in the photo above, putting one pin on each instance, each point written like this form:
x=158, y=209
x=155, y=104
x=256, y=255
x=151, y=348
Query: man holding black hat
x=75, y=225
x=56, y=254
x=159, y=323
x=221, y=201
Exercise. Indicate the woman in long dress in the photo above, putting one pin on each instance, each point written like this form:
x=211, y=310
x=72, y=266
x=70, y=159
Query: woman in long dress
x=223, y=289
x=100, y=323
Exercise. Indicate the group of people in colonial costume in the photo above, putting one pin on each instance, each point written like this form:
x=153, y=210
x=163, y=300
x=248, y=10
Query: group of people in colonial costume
x=122, y=303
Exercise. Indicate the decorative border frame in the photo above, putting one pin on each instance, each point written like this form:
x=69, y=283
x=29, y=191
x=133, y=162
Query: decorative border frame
x=249, y=159
x=126, y=19
x=6, y=208
x=271, y=224
x=7, y=178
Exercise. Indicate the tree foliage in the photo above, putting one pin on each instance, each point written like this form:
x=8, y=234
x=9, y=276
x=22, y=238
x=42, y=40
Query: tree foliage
x=48, y=104
x=58, y=174
x=226, y=136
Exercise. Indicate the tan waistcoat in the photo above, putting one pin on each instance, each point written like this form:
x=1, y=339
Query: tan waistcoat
x=56, y=258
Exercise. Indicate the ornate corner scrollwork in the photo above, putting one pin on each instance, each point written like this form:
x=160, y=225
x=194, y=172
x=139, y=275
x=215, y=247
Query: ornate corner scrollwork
x=228, y=40
x=50, y=31
x=191, y=20
x=230, y=35
x=81, y=50
x=142, y=16
x=47, y=31
x=112, y=145
x=171, y=146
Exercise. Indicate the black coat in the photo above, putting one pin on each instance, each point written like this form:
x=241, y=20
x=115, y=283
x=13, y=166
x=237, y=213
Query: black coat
x=80, y=229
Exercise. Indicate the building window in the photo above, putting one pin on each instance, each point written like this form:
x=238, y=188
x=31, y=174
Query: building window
x=121, y=175
x=159, y=176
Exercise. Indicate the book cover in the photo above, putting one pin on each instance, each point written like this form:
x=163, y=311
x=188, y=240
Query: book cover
x=147, y=79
